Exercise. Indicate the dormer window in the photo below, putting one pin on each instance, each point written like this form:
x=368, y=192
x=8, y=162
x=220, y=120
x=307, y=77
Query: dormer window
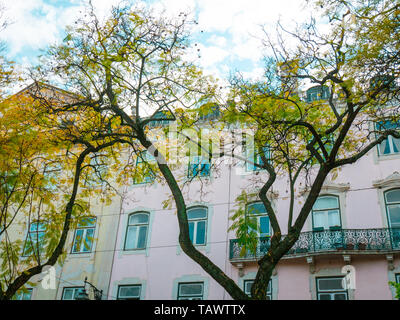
x=391, y=145
x=317, y=93
x=383, y=81
x=164, y=116
x=209, y=113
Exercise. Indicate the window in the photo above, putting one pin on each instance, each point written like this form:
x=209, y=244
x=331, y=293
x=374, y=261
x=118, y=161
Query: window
x=259, y=213
x=390, y=145
x=392, y=202
x=23, y=294
x=136, y=232
x=209, y=113
x=318, y=93
x=254, y=159
x=198, y=167
x=51, y=173
x=197, y=218
x=71, y=293
x=398, y=278
x=328, y=142
x=129, y=292
x=190, y=291
x=164, y=118
x=383, y=80
x=84, y=233
x=252, y=155
x=35, y=238
x=331, y=289
x=248, y=284
x=326, y=213
x=144, y=174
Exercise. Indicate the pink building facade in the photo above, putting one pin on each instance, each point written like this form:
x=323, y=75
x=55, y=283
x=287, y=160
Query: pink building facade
x=350, y=232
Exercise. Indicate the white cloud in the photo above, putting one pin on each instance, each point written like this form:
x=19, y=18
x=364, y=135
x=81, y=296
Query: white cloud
x=233, y=26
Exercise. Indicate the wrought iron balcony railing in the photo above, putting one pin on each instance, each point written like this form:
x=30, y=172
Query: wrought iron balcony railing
x=384, y=239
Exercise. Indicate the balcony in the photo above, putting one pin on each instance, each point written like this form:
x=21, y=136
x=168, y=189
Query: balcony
x=354, y=241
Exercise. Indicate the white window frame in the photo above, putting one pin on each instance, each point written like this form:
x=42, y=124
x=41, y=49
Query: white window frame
x=34, y=237
x=387, y=204
x=137, y=225
x=142, y=160
x=195, y=223
x=191, y=296
x=258, y=217
x=390, y=142
x=119, y=297
x=84, y=239
x=74, y=293
x=199, y=161
x=327, y=210
x=330, y=292
x=20, y=295
x=251, y=281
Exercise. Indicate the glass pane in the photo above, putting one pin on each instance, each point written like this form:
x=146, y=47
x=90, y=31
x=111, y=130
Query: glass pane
x=324, y=296
x=247, y=286
x=340, y=296
x=138, y=218
x=394, y=215
x=396, y=145
x=88, y=240
x=330, y=284
x=142, y=237
x=256, y=208
x=191, y=230
x=131, y=237
x=78, y=240
x=190, y=289
x=334, y=218
x=320, y=220
x=269, y=287
x=326, y=203
x=37, y=226
x=197, y=213
x=77, y=291
x=393, y=196
x=205, y=170
x=27, y=295
x=129, y=291
x=201, y=232
x=387, y=125
x=87, y=222
x=68, y=292
x=264, y=226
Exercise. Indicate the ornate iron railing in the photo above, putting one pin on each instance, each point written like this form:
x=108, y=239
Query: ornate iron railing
x=384, y=239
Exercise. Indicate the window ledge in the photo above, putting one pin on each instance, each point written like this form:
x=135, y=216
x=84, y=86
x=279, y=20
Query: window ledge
x=134, y=251
x=78, y=255
x=383, y=157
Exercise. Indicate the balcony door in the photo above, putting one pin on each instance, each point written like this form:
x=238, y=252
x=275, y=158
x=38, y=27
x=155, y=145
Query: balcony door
x=392, y=202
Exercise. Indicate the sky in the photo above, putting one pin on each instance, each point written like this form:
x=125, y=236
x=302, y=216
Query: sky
x=228, y=32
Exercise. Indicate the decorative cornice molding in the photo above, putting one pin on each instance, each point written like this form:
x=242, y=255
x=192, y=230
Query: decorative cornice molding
x=329, y=186
x=271, y=194
x=392, y=180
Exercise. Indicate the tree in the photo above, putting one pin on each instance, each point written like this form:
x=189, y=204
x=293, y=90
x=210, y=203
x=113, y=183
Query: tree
x=132, y=65
x=354, y=69
x=44, y=171
x=396, y=287
x=130, y=73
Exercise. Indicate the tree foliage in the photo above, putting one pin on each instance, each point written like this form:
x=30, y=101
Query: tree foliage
x=354, y=68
